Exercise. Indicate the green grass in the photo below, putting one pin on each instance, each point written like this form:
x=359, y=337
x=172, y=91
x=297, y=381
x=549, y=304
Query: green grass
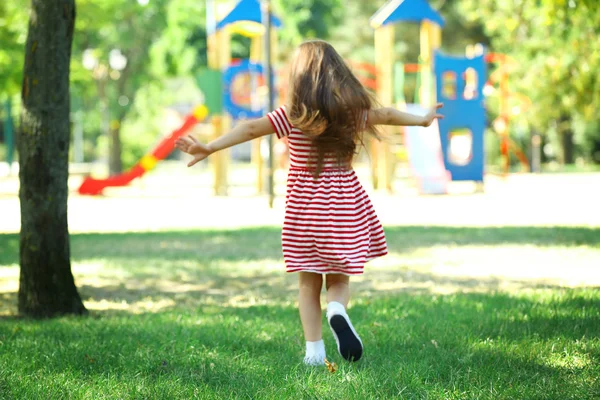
x=451, y=313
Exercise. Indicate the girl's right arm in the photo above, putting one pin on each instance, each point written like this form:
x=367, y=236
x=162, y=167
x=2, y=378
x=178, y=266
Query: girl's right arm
x=391, y=116
x=241, y=133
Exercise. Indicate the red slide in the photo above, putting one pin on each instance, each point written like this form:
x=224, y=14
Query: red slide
x=93, y=186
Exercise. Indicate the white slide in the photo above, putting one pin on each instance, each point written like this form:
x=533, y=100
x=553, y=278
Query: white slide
x=425, y=156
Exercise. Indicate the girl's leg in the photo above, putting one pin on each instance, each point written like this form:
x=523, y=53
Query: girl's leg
x=338, y=288
x=309, y=303
x=338, y=294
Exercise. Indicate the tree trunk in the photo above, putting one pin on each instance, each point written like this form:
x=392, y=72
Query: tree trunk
x=47, y=287
x=115, y=164
x=568, y=147
x=566, y=138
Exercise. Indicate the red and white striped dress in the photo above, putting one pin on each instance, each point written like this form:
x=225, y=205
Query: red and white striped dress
x=330, y=225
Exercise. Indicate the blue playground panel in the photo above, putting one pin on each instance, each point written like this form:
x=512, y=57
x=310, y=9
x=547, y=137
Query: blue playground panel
x=406, y=11
x=236, y=111
x=247, y=10
x=462, y=110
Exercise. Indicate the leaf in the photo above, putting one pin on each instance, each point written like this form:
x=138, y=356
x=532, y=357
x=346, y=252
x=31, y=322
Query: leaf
x=331, y=366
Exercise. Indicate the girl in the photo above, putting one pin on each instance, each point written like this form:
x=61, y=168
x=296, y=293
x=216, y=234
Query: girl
x=330, y=227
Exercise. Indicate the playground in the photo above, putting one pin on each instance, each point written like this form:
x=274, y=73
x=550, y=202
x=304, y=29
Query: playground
x=489, y=290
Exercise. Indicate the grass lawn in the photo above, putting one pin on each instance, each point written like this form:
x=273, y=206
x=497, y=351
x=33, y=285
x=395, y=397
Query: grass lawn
x=451, y=313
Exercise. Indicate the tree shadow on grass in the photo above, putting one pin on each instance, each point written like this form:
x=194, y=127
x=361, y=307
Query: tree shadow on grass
x=264, y=242
x=163, y=270
x=150, y=293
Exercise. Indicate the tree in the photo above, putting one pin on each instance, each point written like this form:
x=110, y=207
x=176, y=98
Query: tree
x=306, y=19
x=557, y=54
x=128, y=29
x=47, y=287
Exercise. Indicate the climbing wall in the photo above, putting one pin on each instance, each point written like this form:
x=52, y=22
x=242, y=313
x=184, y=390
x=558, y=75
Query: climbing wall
x=459, y=85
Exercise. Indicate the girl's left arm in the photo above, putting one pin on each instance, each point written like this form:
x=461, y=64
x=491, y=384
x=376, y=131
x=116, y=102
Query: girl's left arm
x=243, y=132
x=392, y=116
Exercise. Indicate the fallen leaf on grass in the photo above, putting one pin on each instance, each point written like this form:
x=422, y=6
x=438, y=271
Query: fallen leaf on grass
x=332, y=367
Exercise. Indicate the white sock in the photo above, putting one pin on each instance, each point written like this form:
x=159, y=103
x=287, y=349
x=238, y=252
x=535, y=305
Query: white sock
x=335, y=308
x=315, y=353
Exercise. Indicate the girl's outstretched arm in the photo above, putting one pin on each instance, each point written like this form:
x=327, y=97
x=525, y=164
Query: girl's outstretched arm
x=243, y=132
x=391, y=116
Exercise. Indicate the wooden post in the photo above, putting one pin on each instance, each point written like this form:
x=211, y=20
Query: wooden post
x=256, y=51
x=274, y=45
x=384, y=59
x=435, y=36
x=219, y=58
x=223, y=123
x=266, y=18
x=426, y=60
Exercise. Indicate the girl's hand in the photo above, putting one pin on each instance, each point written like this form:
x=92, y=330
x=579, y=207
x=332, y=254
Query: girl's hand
x=193, y=147
x=432, y=115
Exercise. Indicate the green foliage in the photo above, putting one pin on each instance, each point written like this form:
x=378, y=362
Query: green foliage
x=307, y=19
x=353, y=37
x=129, y=27
x=556, y=52
x=176, y=51
x=13, y=33
x=153, y=115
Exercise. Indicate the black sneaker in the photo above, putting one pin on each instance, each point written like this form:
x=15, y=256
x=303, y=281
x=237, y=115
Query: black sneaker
x=349, y=344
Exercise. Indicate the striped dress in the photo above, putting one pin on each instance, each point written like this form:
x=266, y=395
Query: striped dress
x=330, y=225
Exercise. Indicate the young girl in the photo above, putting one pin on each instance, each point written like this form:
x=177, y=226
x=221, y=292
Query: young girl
x=330, y=228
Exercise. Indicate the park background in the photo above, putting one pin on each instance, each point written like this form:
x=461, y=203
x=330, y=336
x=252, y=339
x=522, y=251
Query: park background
x=487, y=292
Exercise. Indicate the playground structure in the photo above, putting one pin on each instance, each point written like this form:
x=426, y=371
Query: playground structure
x=222, y=82
x=449, y=150
x=430, y=151
x=246, y=18
x=452, y=149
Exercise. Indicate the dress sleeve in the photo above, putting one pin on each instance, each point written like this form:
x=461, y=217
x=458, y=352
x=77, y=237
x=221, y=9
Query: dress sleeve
x=280, y=122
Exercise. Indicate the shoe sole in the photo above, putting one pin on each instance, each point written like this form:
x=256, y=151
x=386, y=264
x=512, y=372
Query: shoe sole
x=349, y=344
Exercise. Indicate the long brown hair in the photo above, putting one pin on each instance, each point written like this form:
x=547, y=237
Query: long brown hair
x=327, y=102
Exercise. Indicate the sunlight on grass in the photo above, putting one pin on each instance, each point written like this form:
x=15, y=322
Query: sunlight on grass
x=568, y=360
x=137, y=307
x=152, y=272
x=514, y=262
